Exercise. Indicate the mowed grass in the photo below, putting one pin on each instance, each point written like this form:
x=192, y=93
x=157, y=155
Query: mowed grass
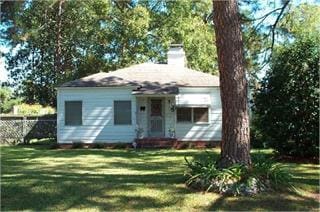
x=37, y=178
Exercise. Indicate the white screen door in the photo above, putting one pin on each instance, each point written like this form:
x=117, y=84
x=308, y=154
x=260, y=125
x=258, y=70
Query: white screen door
x=156, y=118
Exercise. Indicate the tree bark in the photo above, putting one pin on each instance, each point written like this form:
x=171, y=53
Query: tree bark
x=235, y=145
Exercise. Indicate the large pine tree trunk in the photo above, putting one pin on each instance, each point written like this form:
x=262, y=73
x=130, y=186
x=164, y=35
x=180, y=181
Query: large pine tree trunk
x=235, y=146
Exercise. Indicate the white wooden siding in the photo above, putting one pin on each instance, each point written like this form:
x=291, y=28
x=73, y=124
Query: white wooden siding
x=142, y=116
x=170, y=116
x=193, y=99
x=97, y=115
x=193, y=131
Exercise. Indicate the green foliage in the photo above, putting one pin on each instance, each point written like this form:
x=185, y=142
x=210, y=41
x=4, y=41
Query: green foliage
x=36, y=109
x=25, y=109
x=237, y=179
x=184, y=22
x=33, y=32
x=266, y=169
x=7, y=101
x=303, y=21
x=257, y=138
x=5, y=94
x=97, y=36
x=259, y=32
x=7, y=106
x=286, y=106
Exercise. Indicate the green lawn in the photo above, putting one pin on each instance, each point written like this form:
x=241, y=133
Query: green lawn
x=37, y=178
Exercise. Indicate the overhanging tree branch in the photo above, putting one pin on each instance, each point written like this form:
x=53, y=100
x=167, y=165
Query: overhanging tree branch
x=273, y=27
x=262, y=17
x=272, y=31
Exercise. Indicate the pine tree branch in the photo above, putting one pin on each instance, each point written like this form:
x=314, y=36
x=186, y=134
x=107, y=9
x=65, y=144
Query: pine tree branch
x=273, y=27
x=269, y=50
x=262, y=17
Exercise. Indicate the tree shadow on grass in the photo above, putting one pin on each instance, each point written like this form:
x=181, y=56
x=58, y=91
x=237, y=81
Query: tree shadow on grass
x=282, y=201
x=37, y=190
x=33, y=180
x=43, y=150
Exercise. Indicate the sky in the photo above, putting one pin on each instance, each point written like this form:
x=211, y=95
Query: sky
x=274, y=3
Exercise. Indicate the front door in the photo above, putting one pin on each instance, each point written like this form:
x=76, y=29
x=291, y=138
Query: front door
x=156, y=119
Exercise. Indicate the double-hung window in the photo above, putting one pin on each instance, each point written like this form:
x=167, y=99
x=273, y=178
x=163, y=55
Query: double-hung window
x=122, y=112
x=193, y=114
x=200, y=115
x=184, y=114
x=73, y=113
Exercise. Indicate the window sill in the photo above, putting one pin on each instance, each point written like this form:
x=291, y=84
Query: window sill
x=194, y=123
x=184, y=122
x=202, y=123
x=73, y=125
x=122, y=124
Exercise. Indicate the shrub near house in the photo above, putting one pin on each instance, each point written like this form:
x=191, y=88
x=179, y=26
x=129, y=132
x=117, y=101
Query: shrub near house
x=36, y=109
x=287, y=105
x=10, y=104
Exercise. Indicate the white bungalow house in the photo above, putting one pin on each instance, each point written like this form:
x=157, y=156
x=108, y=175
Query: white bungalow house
x=141, y=101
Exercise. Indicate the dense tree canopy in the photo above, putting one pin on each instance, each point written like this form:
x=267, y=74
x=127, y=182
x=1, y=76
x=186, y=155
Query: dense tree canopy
x=302, y=21
x=32, y=32
x=58, y=40
x=54, y=41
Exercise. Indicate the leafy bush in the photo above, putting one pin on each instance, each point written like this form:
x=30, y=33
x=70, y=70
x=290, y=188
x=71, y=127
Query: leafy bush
x=287, y=103
x=257, y=138
x=36, y=109
x=238, y=179
x=7, y=101
x=25, y=109
x=269, y=170
x=7, y=106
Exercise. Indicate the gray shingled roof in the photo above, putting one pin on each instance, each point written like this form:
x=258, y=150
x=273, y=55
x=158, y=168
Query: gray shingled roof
x=158, y=78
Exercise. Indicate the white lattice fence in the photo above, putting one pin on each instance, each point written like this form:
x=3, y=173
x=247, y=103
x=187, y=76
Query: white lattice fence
x=21, y=129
